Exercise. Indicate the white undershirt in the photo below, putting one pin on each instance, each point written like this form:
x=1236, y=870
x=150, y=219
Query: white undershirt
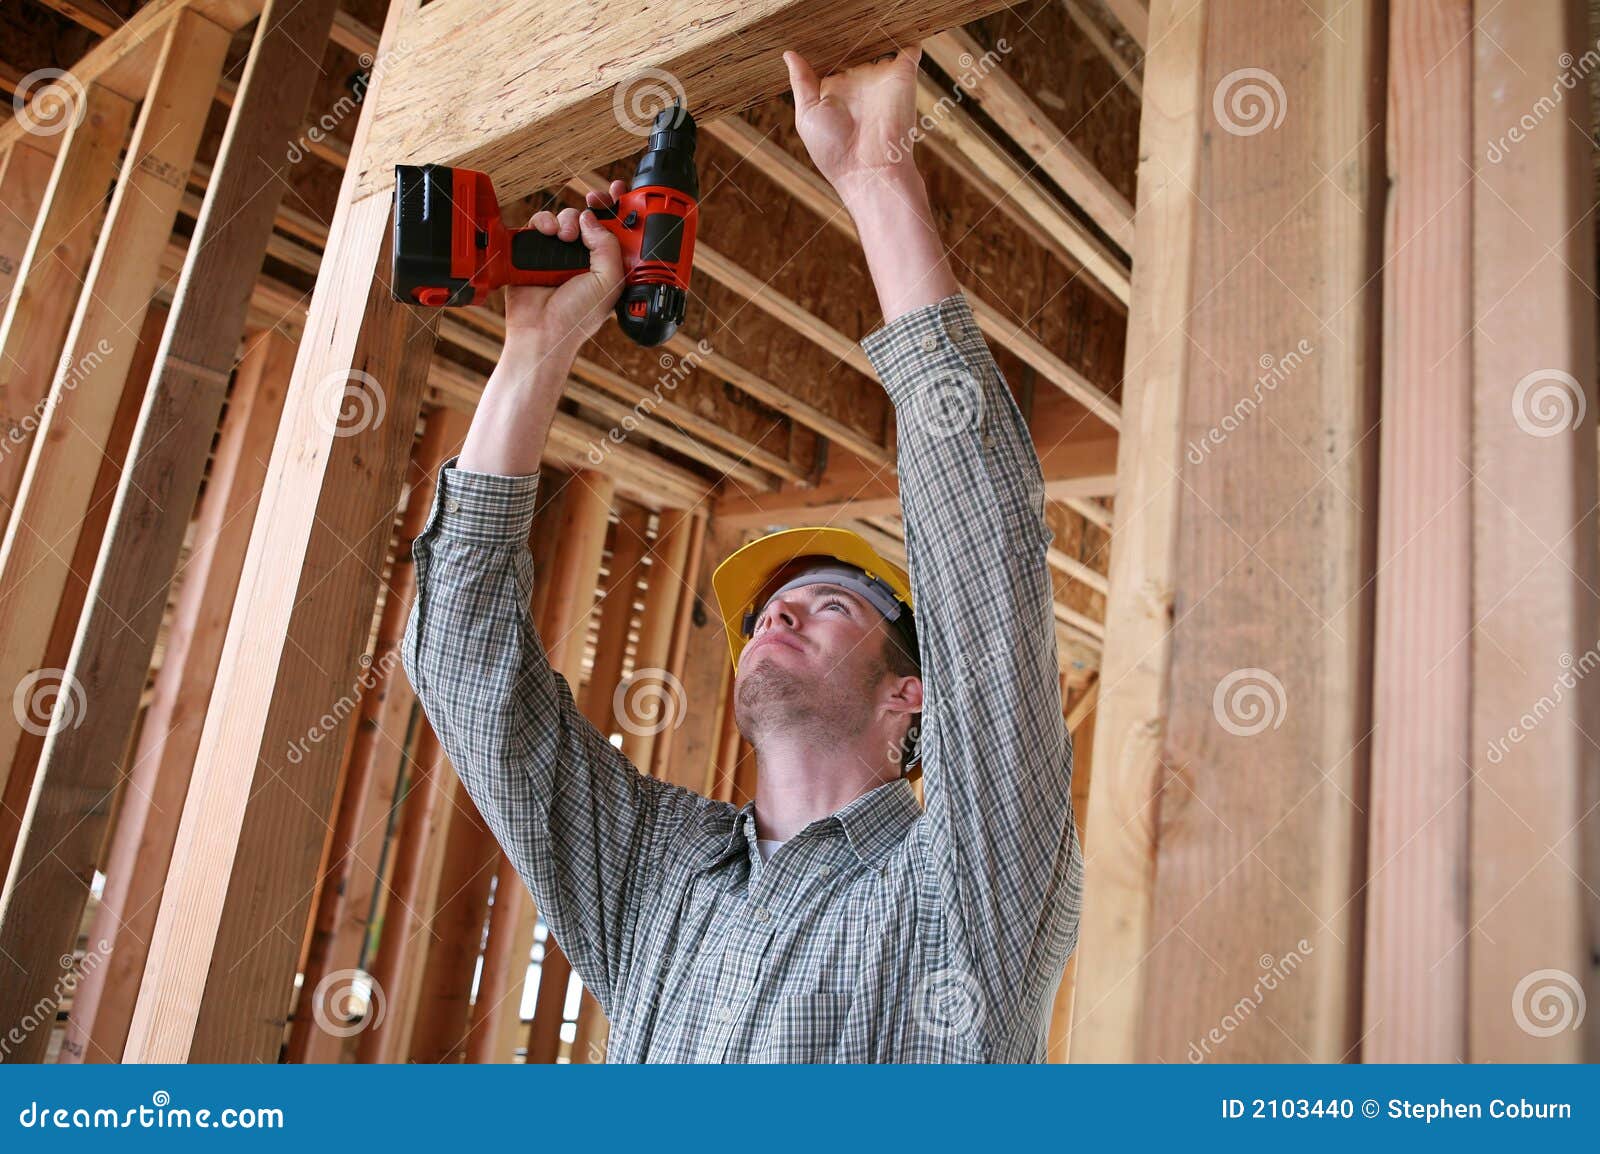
x=767, y=845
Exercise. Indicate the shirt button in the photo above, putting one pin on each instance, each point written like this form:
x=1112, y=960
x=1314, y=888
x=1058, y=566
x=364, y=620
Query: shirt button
x=451, y=505
x=760, y=913
x=724, y=1014
x=825, y=872
x=929, y=343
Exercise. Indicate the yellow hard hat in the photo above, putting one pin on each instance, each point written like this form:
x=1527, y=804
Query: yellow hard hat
x=742, y=579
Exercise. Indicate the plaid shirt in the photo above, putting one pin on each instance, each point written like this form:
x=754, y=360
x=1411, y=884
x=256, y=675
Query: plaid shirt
x=881, y=933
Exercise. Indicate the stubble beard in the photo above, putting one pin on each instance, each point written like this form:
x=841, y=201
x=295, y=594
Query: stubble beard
x=771, y=698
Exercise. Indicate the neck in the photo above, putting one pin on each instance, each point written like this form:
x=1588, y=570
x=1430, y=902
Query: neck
x=799, y=781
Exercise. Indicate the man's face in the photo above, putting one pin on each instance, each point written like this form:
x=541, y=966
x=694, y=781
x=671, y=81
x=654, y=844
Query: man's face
x=815, y=659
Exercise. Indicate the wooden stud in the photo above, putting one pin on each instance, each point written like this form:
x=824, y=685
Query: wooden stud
x=657, y=621
x=1534, y=866
x=40, y=308
x=377, y=762
x=159, y=770
x=1081, y=724
x=1415, y=966
x=24, y=179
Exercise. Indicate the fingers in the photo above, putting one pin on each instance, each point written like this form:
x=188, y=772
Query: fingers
x=608, y=198
x=545, y=221
x=605, y=254
x=567, y=222
x=802, y=82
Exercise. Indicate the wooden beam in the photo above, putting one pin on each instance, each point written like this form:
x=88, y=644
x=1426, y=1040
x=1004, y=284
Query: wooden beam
x=1119, y=885
x=1015, y=112
x=60, y=245
x=59, y=483
x=1134, y=16
x=377, y=763
x=948, y=121
x=101, y=19
x=247, y=852
x=159, y=771
x=1534, y=866
x=447, y=105
x=1127, y=70
x=24, y=179
x=1415, y=1001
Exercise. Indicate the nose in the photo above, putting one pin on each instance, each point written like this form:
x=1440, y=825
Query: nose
x=777, y=609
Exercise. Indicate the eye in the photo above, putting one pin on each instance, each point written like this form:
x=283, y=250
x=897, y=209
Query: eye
x=834, y=601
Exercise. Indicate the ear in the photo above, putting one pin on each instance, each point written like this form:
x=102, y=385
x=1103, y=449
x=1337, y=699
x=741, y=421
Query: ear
x=902, y=695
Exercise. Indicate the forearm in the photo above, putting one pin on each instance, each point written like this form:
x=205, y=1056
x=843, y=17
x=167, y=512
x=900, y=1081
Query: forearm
x=904, y=253
x=512, y=421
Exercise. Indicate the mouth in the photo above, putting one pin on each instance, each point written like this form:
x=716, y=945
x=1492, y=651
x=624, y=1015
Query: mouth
x=782, y=639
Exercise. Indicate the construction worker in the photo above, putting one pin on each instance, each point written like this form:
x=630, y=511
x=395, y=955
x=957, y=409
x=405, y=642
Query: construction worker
x=832, y=918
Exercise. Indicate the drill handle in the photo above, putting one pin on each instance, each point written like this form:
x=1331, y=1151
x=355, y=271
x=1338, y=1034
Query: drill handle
x=533, y=251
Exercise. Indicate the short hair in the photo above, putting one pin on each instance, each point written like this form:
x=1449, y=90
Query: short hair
x=902, y=660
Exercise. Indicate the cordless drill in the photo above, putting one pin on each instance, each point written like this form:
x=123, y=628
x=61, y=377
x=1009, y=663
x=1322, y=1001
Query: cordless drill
x=452, y=248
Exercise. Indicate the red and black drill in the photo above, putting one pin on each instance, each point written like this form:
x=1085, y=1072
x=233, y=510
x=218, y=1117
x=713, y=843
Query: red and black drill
x=451, y=247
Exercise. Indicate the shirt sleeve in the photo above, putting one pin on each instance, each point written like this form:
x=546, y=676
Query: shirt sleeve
x=587, y=833
x=998, y=833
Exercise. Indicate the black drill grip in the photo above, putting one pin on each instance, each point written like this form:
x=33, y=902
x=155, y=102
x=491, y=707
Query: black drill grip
x=534, y=251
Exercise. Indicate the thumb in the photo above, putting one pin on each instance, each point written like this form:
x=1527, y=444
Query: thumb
x=802, y=81
x=605, y=254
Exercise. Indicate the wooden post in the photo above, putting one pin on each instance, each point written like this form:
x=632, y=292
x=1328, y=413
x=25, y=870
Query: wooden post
x=419, y=847
x=1534, y=866
x=575, y=573
x=699, y=662
x=1416, y=965
x=180, y=411
x=1058, y=1046
x=24, y=177
x=377, y=761
x=1251, y=781
x=145, y=830
x=657, y=624
x=40, y=307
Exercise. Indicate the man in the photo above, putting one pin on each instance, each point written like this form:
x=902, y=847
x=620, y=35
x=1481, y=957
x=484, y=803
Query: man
x=831, y=919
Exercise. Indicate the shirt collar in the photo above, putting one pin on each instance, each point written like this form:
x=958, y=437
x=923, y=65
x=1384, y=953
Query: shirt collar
x=873, y=823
